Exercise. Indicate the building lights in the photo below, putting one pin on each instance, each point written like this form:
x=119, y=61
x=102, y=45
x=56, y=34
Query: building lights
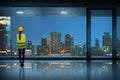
x=3, y=20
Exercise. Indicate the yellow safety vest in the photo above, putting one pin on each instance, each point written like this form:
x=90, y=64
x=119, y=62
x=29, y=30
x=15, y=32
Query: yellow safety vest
x=21, y=43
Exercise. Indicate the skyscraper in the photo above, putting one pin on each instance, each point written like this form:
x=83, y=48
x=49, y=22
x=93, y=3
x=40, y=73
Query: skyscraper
x=55, y=39
x=84, y=49
x=78, y=49
x=107, y=42
x=44, y=46
x=97, y=44
x=69, y=43
x=39, y=50
x=3, y=35
x=118, y=47
x=96, y=50
x=31, y=46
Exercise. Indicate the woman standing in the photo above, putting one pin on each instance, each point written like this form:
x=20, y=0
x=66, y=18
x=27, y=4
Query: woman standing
x=21, y=43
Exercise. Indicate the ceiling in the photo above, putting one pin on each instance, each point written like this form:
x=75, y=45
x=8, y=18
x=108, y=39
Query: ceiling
x=87, y=3
x=42, y=11
x=52, y=11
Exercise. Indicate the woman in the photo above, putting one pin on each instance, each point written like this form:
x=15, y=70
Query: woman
x=21, y=43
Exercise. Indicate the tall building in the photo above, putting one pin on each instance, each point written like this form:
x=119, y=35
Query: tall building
x=84, y=49
x=44, y=46
x=54, y=46
x=118, y=47
x=62, y=48
x=107, y=42
x=96, y=50
x=78, y=49
x=39, y=50
x=3, y=35
x=97, y=44
x=31, y=46
x=69, y=43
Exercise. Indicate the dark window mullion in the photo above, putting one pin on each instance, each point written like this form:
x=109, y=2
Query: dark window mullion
x=88, y=36
x=114, y=34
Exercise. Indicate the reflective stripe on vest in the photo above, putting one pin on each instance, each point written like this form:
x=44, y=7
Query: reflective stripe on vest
x=21, y=42
x=21, y=45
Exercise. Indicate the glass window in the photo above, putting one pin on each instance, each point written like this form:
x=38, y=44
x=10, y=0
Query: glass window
x=5, y=28
x=101, y=33
x=118, y=32
x=50, y=31
x=63, y=32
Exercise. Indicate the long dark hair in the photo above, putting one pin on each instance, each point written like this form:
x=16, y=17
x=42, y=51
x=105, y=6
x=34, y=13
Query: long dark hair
x=20, y=35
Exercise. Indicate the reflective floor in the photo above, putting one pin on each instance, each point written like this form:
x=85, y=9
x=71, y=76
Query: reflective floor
x=59, y=70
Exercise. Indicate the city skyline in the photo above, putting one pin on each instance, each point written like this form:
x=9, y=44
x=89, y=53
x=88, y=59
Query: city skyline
x=38, y=27
x=56, y=39
x=53, y=45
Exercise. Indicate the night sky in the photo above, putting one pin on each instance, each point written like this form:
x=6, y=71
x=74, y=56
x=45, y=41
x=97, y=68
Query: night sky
x=40, y=27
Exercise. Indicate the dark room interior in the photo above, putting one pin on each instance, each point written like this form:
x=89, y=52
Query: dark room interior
x=64, y=39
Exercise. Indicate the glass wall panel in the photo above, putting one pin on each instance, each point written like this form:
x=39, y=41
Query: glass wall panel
x=63, y=32
x=101, y=33
x=50, y=31
x=118, y=32
x=30, y=20
x=5, y=28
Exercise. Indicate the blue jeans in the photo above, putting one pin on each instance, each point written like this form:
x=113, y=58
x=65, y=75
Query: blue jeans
x=21, y=55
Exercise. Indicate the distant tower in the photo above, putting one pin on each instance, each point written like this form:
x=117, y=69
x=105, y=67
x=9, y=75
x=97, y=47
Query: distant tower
x=55, y=40
x=107, y=43
x=118, y=47
x=69, y=43
x=78, y=49
x=84, y=49
x=39, y=50
x=31, y=46
x=3, y=35
x=44, y=46
x=97, y=44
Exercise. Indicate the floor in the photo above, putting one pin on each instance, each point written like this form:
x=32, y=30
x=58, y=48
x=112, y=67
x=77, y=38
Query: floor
x=59, y=70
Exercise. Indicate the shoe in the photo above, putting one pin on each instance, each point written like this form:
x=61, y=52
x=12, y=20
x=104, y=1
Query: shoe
x=21, y=64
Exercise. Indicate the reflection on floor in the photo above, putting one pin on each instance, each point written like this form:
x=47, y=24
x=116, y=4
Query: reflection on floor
x=59, y=70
